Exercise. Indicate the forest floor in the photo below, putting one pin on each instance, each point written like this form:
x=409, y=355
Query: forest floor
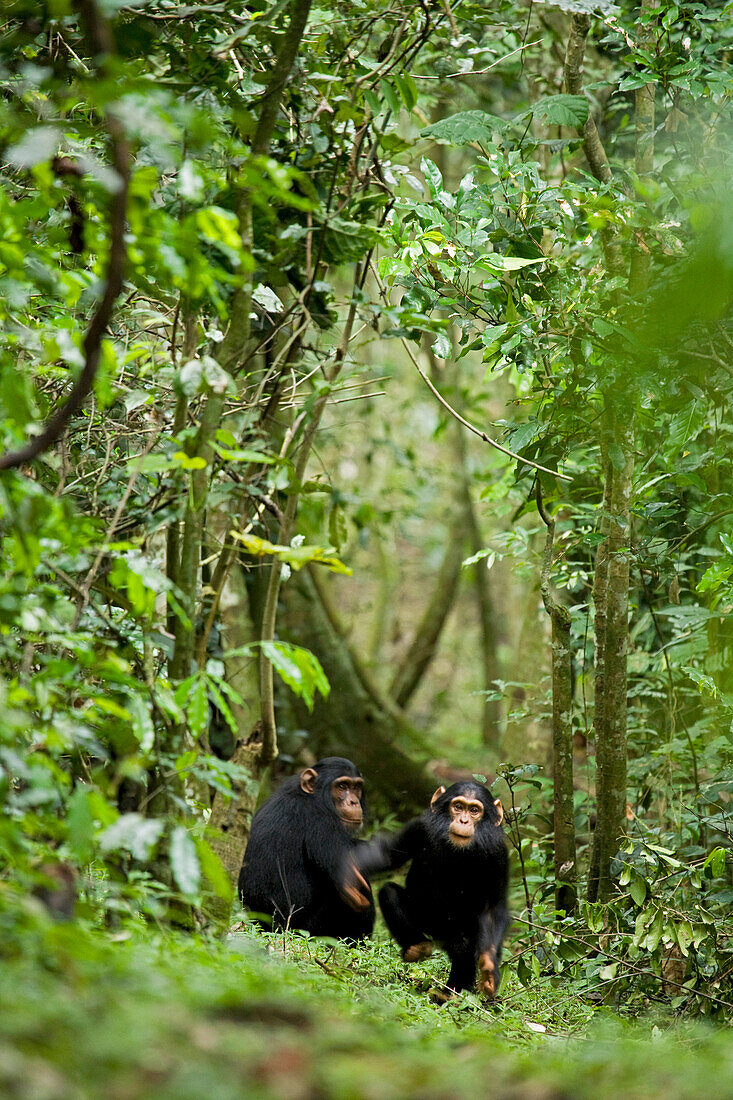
x=85, y=1014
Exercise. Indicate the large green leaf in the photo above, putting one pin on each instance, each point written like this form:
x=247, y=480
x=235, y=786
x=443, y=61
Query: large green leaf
x=185, y=861
x=132, y=833
x=300, y=669
x=465, y=127
x=562, y=110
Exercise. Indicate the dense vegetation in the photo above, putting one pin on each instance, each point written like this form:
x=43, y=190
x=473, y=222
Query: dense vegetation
x=365, y=376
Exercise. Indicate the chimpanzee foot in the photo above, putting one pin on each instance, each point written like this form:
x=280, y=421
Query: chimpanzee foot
x=418, y=952
x=487, y=975
x=442, y=995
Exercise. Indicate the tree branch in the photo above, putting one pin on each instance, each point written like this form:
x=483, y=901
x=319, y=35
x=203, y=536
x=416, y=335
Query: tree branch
x=592, y=144
x=102, y=45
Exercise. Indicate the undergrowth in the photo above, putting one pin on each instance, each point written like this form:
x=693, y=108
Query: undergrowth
x=141, y=1013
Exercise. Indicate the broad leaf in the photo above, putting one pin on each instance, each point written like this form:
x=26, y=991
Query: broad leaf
x=465, y=127
x=132, y=833
x=562, y=110
x=185, y=861
x=300, y=669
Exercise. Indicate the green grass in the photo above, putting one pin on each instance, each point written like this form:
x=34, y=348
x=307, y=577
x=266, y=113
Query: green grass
x=142, y=1014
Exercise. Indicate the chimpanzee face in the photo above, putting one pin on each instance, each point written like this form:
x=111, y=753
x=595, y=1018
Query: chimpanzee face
x=347, y=793
x=464, y=813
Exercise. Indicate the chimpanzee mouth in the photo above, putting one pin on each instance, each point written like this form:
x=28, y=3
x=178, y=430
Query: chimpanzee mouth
x=459, y=840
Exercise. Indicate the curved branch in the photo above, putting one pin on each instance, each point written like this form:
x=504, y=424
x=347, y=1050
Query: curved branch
x=101, y=41
x=449, y=408
x=472, y=427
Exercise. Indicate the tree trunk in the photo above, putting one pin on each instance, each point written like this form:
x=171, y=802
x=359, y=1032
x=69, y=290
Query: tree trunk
x=491, y=709
x=611, y=599
x=427, y=634
x=231, y=818
x=562, y=736
x=356, y=720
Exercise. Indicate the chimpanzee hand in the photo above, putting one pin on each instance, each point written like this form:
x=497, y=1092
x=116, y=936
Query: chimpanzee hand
x=487, y=974
x=355, y=890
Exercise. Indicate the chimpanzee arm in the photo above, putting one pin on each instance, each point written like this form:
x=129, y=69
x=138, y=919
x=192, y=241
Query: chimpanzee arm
x=385, y=853
x=331, y=854
x=493, y=924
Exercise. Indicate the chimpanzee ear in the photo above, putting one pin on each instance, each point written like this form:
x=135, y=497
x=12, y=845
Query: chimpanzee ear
x=440, y=791
x=308, y=778
x=499, y=809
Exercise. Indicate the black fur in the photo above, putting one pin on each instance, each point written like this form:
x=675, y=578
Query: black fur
x=297, y=859
x=454, y=896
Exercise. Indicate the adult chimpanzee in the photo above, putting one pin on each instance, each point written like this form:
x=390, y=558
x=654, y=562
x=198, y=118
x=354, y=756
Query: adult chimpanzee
x=299, y=866
x=456, y=888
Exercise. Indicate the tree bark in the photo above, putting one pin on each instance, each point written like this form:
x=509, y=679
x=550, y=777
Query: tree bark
x=644, y=156
x=562, y=736
x=231, y=818
x=611, y=599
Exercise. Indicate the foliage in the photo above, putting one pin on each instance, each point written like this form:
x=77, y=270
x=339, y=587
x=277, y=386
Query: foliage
x=86, y=1017
x=422, y=186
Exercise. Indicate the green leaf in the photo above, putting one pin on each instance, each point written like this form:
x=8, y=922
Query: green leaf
x=189, y=463
x=213, y=870
x=223, y=706
x=442, y=346
x=494, y=261
x=185, y=761
x=407, y=89
x=267, y=298
x=185, y=861
x=202, y=375
x=639, y=890
x=651, y=943
x=299, y=668
x=142, y=723
x=197, y=707
x=562, y=110
x=616, y=455
x=685, y=935
x=295, y=556
x=715, y=862
x=151, y=464
x=80, y=825
x=237, y=455
x=132, y=833
x=465, y=127
x=37, y=145
x=433, y=177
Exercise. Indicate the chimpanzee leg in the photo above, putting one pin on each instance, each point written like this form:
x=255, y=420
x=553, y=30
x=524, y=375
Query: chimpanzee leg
x=492, y=926
x=463, y=967
x=403, y=923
